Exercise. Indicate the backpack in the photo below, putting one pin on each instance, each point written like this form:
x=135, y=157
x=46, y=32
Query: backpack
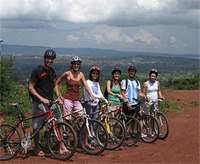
x=111, y=85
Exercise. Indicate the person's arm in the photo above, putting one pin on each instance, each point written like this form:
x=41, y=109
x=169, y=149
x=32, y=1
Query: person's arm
x=86, y=86
x=141, y=94
x=123, y=89
x=144, y=89
x=159, y=92
x=56, y=88
x=34, y=92
x=109, y=89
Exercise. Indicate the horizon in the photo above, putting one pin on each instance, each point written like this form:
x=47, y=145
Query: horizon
x=46, y=47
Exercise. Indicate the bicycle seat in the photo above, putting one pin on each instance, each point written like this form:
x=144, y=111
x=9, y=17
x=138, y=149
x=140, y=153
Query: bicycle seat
x=15, y=104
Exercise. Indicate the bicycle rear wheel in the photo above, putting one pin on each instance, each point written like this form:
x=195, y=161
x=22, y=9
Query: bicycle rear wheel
x=63, y=138
x=133, y=131
x=163, y=125
x=117, y=133
x=150, y=129
x=97, y=141
x=10, y=142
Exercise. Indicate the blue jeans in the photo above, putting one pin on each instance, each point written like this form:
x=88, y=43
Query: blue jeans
x=91, y=109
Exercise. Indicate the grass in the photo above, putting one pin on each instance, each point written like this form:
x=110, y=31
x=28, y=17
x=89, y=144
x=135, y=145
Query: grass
x=195, y=103
x=167, y=106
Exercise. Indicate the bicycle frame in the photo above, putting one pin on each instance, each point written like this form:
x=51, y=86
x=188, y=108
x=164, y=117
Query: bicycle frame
x=84, y=115
x=50, y=119
x=21, y=121
x=103, y=111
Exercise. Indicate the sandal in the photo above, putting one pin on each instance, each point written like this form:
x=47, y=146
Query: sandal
x=40, y=153
x=65, y=153
x=90, y=147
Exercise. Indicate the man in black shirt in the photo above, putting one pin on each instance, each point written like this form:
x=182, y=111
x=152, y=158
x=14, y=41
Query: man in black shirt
x=41, y=88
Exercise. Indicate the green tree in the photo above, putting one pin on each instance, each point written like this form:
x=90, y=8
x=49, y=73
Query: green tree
x=11, y=92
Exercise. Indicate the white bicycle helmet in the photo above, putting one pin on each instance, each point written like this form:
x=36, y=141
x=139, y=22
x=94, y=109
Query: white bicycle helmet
x=75, y=59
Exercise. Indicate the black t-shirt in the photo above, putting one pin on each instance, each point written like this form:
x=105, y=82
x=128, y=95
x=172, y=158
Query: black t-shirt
x=44, y=80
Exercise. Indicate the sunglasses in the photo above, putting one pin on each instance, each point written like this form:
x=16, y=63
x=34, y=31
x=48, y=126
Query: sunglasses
x=76, y=64
x=95, y=73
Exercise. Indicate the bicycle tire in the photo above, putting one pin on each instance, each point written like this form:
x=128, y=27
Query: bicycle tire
x=99, y=137
x=117, y=133
x=67, y=136
x=10, y=142
x=163, y=125
x=150, y=129
x=133, y=131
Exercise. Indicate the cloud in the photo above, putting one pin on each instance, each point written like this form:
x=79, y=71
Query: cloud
x=115, y=13
x=72, y=38
x=172, y=40
x=118, y=36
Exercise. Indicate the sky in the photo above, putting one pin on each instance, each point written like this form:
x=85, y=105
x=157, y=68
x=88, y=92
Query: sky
x=160, y=26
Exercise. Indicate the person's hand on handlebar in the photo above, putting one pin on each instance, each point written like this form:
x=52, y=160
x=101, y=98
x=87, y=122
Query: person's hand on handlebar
x=93, y=99
x=60, y=99
x=45, y=101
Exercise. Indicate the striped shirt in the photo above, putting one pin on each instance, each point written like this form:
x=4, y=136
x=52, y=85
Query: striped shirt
x=132, y=90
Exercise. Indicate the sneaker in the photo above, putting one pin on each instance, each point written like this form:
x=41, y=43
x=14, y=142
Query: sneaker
x=144, y=135
x=134, y=135
x=153, y=134
x=93, y=143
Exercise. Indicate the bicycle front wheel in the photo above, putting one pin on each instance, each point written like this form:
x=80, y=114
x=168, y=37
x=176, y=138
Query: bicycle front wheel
x=62, y=141
x=10, y=142
x=116, y=132
x=93, y=137
x=150, y=129
x=163, y=125
x=133, y=131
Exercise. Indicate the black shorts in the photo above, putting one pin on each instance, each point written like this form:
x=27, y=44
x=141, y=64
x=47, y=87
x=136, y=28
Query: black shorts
x=131, y=112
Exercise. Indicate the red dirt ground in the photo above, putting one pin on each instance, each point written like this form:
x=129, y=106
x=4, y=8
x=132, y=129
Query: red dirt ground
x=181, y=146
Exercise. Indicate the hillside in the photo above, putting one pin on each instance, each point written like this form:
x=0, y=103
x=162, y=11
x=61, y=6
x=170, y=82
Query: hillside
x=38, y=50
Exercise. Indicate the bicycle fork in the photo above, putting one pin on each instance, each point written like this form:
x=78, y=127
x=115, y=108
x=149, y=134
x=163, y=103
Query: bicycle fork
x=90, y=133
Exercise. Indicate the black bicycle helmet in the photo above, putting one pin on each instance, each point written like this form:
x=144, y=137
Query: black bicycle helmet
x=132, y=67
x=50, y=53
x=153, y=71
x=116, y=70
x=75, y=59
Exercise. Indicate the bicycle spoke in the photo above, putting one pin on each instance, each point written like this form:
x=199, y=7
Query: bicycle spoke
x=9, y=142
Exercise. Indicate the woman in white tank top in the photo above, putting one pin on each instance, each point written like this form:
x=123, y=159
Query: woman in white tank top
x=152, y=87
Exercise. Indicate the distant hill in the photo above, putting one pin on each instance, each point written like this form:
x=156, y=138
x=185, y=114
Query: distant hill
x=39, y=50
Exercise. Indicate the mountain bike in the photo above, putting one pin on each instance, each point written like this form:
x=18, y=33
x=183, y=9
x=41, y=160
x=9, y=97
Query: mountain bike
x=149, y=125
x=131, y=124
x=58, y=133
x=114, y=127
x=90, y=132
x=161, y=119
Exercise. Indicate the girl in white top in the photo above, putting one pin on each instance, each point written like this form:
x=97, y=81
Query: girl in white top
x=152, y=87
x=93, y=84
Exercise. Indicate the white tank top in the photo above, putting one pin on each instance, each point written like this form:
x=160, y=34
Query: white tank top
x=152, y=90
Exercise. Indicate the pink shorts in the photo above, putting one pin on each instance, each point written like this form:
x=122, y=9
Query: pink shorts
x=70, y=105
